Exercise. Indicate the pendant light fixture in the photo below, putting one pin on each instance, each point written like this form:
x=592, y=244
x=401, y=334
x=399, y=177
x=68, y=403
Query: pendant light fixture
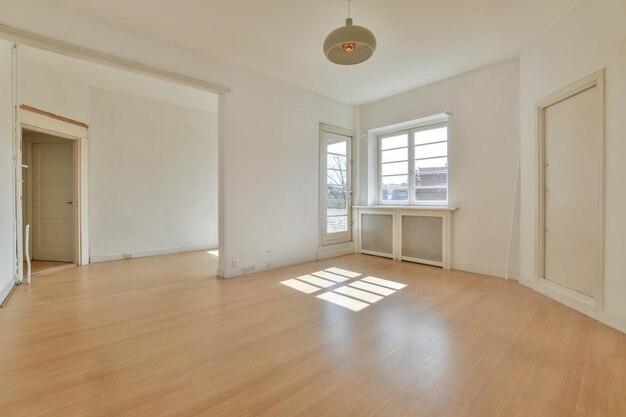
x=349, y=44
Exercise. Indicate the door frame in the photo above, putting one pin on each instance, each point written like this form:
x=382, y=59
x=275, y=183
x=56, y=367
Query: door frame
x=597, y=80
x=326, y=128
x=45, y=122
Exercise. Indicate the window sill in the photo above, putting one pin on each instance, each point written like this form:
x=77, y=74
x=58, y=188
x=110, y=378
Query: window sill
x=407, y=207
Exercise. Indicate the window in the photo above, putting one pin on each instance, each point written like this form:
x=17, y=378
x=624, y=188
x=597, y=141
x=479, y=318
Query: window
x=336, y=185
x=413, y=166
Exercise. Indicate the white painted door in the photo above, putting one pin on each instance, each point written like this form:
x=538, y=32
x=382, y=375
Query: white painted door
x=53, y=205
x=574, y=183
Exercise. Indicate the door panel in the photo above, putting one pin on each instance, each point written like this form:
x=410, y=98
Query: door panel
x=53, y=206
x=574, y=192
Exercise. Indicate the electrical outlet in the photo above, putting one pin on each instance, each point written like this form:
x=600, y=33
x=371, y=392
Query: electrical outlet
x=128, y=256
x=235, y=263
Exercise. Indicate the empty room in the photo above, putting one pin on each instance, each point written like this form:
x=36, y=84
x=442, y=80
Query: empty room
x=324, y=208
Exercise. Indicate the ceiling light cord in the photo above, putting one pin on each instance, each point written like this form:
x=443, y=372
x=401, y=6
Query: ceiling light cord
x=349, y=16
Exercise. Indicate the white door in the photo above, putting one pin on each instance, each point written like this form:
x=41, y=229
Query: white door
x=336, y=166
x=574, y=184
x=53, y=205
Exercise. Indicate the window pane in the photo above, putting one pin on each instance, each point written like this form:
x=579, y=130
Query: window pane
x=438, y=164
x=336, y=161
x=395, y=168
x=336, y=178
x=339, y=147
x=337, y=224
x=395, y=155
x=432, y=150
x=394, y=141
x=430, y=135
x=395, y=188
x=431, y=194
x=336, y=207
x=428, y=179
x=334, y=192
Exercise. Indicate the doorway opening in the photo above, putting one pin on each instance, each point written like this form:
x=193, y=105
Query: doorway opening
x=48, y=202
x=51, y=180
x=150, y=162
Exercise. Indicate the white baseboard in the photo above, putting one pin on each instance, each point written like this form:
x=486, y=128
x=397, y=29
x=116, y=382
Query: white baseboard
x=485, y=270
x=142, y=254
x=578, y=303
x=324, y=252
x=333, y=251
x=274, y=264
x=6, y=291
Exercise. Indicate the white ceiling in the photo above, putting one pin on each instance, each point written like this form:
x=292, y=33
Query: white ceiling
x=122, y=82
x=419, y=41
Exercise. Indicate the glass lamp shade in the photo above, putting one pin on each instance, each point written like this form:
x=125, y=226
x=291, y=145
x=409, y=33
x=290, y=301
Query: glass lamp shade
x=349, y=44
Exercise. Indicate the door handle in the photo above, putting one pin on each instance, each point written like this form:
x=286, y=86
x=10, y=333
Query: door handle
x=70, y=202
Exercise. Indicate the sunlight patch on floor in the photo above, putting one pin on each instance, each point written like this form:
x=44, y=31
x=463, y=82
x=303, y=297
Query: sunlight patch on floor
x=343, y=301
x=214, y=252
x=343, y=272
x=359, y=294
x=384, y=282
x=300, y=286
x=331, y=276
x=355, y=295
x=320, y=282
x=376, y=289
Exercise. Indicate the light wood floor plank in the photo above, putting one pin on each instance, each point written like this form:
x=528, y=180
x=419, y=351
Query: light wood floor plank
x=163, y=336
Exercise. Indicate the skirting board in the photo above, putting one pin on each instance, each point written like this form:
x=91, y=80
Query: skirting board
x=6, y=291
x=274, y=264
x=616, y=322
x=120, y=256
x=324, y=252
x=485, y=270
x=333, y=251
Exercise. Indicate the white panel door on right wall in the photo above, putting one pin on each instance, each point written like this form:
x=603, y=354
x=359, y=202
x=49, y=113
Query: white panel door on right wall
x=574, y=183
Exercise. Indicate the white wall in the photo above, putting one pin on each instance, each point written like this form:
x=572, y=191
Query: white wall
x=272, y=174
x=482, y=146
x=46, y=89
x=7, y=188
x=152, y=165
x=268, y=142
x=152, y=177
x=590, y=37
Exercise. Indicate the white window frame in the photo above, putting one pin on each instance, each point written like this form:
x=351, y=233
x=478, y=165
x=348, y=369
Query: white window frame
x=411, y=201
x=341, y=237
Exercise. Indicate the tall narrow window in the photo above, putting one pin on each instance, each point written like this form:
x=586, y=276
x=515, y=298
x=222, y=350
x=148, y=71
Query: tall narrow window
x=336, y=185
x=394, y=167
x=430, y=167
x=413, y=166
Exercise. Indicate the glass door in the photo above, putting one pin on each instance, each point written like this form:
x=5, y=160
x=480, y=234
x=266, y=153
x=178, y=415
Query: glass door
x=336, y=190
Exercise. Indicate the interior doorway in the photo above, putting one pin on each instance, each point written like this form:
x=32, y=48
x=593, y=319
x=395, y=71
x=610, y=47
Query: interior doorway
x=50, y=182
x=152, y=163
x=48, y=201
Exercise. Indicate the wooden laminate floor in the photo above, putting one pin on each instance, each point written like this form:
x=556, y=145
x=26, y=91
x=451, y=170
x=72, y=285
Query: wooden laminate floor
x=37, y=267
x=161, y=336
